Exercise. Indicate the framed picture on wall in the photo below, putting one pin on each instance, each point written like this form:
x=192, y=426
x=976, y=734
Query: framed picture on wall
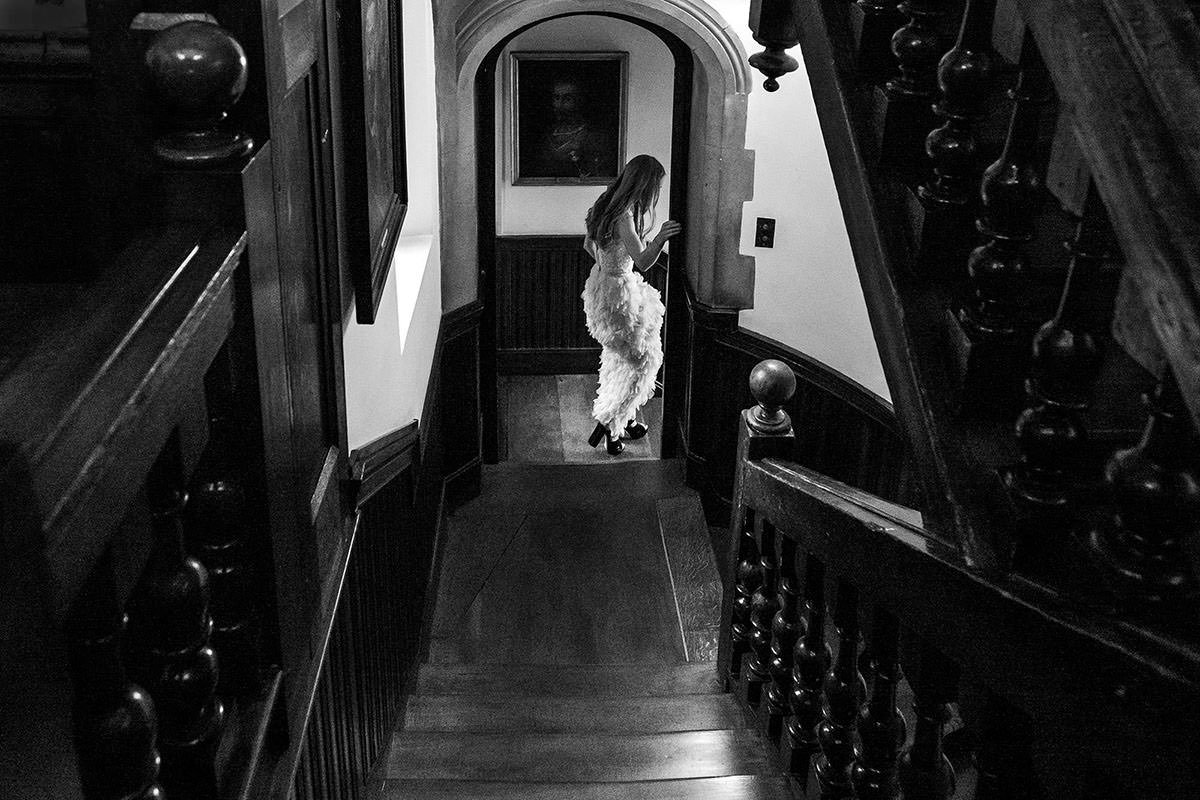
x=568, y=117
x=372, y=102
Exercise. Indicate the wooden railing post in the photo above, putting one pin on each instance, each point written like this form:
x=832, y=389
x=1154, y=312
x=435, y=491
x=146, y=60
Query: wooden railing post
x=169, y=650
x=765, y=431
x=114, y=723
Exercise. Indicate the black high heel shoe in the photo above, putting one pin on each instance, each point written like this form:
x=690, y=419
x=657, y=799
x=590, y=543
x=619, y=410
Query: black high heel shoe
x=613, y=446
x=636, y=430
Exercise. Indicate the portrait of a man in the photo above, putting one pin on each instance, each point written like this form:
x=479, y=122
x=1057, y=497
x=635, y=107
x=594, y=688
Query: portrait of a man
x=568, y=115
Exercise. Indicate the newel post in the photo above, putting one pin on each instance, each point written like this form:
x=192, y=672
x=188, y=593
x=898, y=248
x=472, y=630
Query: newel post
x=765, y=431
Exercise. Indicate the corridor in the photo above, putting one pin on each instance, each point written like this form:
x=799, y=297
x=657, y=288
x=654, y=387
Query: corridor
x=571, y=652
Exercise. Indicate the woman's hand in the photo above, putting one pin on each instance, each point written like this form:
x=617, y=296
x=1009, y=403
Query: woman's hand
x=668, y=229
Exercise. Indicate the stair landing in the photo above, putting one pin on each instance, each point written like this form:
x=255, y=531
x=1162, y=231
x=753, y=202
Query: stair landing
x=571, y=649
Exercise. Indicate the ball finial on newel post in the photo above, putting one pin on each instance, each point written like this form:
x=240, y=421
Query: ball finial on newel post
x=772, y=383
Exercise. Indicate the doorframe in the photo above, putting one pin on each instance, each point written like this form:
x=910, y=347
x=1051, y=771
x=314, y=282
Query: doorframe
x=675, y=367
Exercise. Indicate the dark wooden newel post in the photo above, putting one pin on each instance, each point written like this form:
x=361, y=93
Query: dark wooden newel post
x=765, y=431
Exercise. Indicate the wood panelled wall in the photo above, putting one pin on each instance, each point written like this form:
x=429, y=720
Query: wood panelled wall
x=539, y=314
x=842, y=430
x=372, y=648
x=404, y=483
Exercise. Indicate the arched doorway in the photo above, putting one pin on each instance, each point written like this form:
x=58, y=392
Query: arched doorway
x=496, y=292
x=715, y=172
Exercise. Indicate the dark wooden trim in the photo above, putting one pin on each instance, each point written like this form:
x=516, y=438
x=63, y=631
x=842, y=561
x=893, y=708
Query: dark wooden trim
x=376, y=463
x=461, y=319
x=842, y=427
x=871, y=249
x=811, y=371
x=706, y=316
x=463, y=484
x=548, y=361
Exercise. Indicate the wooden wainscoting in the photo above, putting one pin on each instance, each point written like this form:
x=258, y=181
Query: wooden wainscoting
x=842, y=429
x=540, y=327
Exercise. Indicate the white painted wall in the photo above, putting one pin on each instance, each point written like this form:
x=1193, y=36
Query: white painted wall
x=388, y=363
x=806, y=289
x=561, y=209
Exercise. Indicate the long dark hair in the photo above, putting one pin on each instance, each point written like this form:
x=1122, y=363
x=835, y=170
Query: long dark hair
x=635, y=189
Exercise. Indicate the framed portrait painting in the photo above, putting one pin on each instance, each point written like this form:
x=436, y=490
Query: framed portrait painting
x=568, y=117
x=372, y=103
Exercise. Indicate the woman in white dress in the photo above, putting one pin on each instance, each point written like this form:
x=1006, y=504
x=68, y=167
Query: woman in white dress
x=624, y=313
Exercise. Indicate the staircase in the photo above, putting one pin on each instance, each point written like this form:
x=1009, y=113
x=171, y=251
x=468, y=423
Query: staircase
x=568, y=654
x=591, y=732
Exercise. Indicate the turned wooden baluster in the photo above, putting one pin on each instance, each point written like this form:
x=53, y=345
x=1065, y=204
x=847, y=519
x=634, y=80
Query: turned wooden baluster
x=845, y=691
x=925, y=771
x=216, y=526
x=1010, y=193
x=811, y=661
x=765, y=430
x=917, y=47
x=749, y=578
x=114, y=720
x=763, y=606
x=1155, y=486
x=1066, y=359
x=880, y=725
x=169, y=652
x=786, y=628
x=964, y=77
x=902, y=107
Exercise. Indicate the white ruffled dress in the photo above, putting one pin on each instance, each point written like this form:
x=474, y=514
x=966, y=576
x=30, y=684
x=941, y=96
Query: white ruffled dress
x=625, y=315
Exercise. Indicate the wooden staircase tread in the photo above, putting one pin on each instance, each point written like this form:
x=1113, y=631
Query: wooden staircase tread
x=577, y=757
x=733, y=787
x=695, y=712
x=553, y=680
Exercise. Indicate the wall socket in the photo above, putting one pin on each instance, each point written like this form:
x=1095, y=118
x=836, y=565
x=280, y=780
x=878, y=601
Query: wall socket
x=764, y=232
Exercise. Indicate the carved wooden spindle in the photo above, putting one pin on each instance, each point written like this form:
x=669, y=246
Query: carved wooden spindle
x=198, y=72
x=216, y=532
x=169, y=651
x=763, y=606
x=765, y=430
x=964, y=77
x=748, y=579
x=776, y=26
x=880, y=725
x=811, y=661
x=902, y=107
x=1065, y=361
x=114, y=720
x=925, y=771
x=917, y=47
x=786, y=628
x=845, y=691
x=1010, y=193
x=1155, y=486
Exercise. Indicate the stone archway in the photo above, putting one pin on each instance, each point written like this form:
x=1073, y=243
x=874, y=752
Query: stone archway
x=720, y=169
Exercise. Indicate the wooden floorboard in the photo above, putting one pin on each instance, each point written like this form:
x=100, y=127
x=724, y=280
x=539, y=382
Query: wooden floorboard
x=635, y=680
x=469, y=713
x=575, y=757
x=738, y=787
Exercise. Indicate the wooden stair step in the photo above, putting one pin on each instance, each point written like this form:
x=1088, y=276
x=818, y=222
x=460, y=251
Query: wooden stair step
x=467, y=713
x=552, y=680
x=734, y=787
x=574, y=757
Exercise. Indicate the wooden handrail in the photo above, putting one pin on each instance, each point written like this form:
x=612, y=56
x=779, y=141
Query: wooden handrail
x=87, y=406
x=1128, y=72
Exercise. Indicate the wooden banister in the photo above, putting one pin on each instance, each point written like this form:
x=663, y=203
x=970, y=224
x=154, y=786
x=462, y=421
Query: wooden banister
x=1068, y=671
x=1134, y=95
